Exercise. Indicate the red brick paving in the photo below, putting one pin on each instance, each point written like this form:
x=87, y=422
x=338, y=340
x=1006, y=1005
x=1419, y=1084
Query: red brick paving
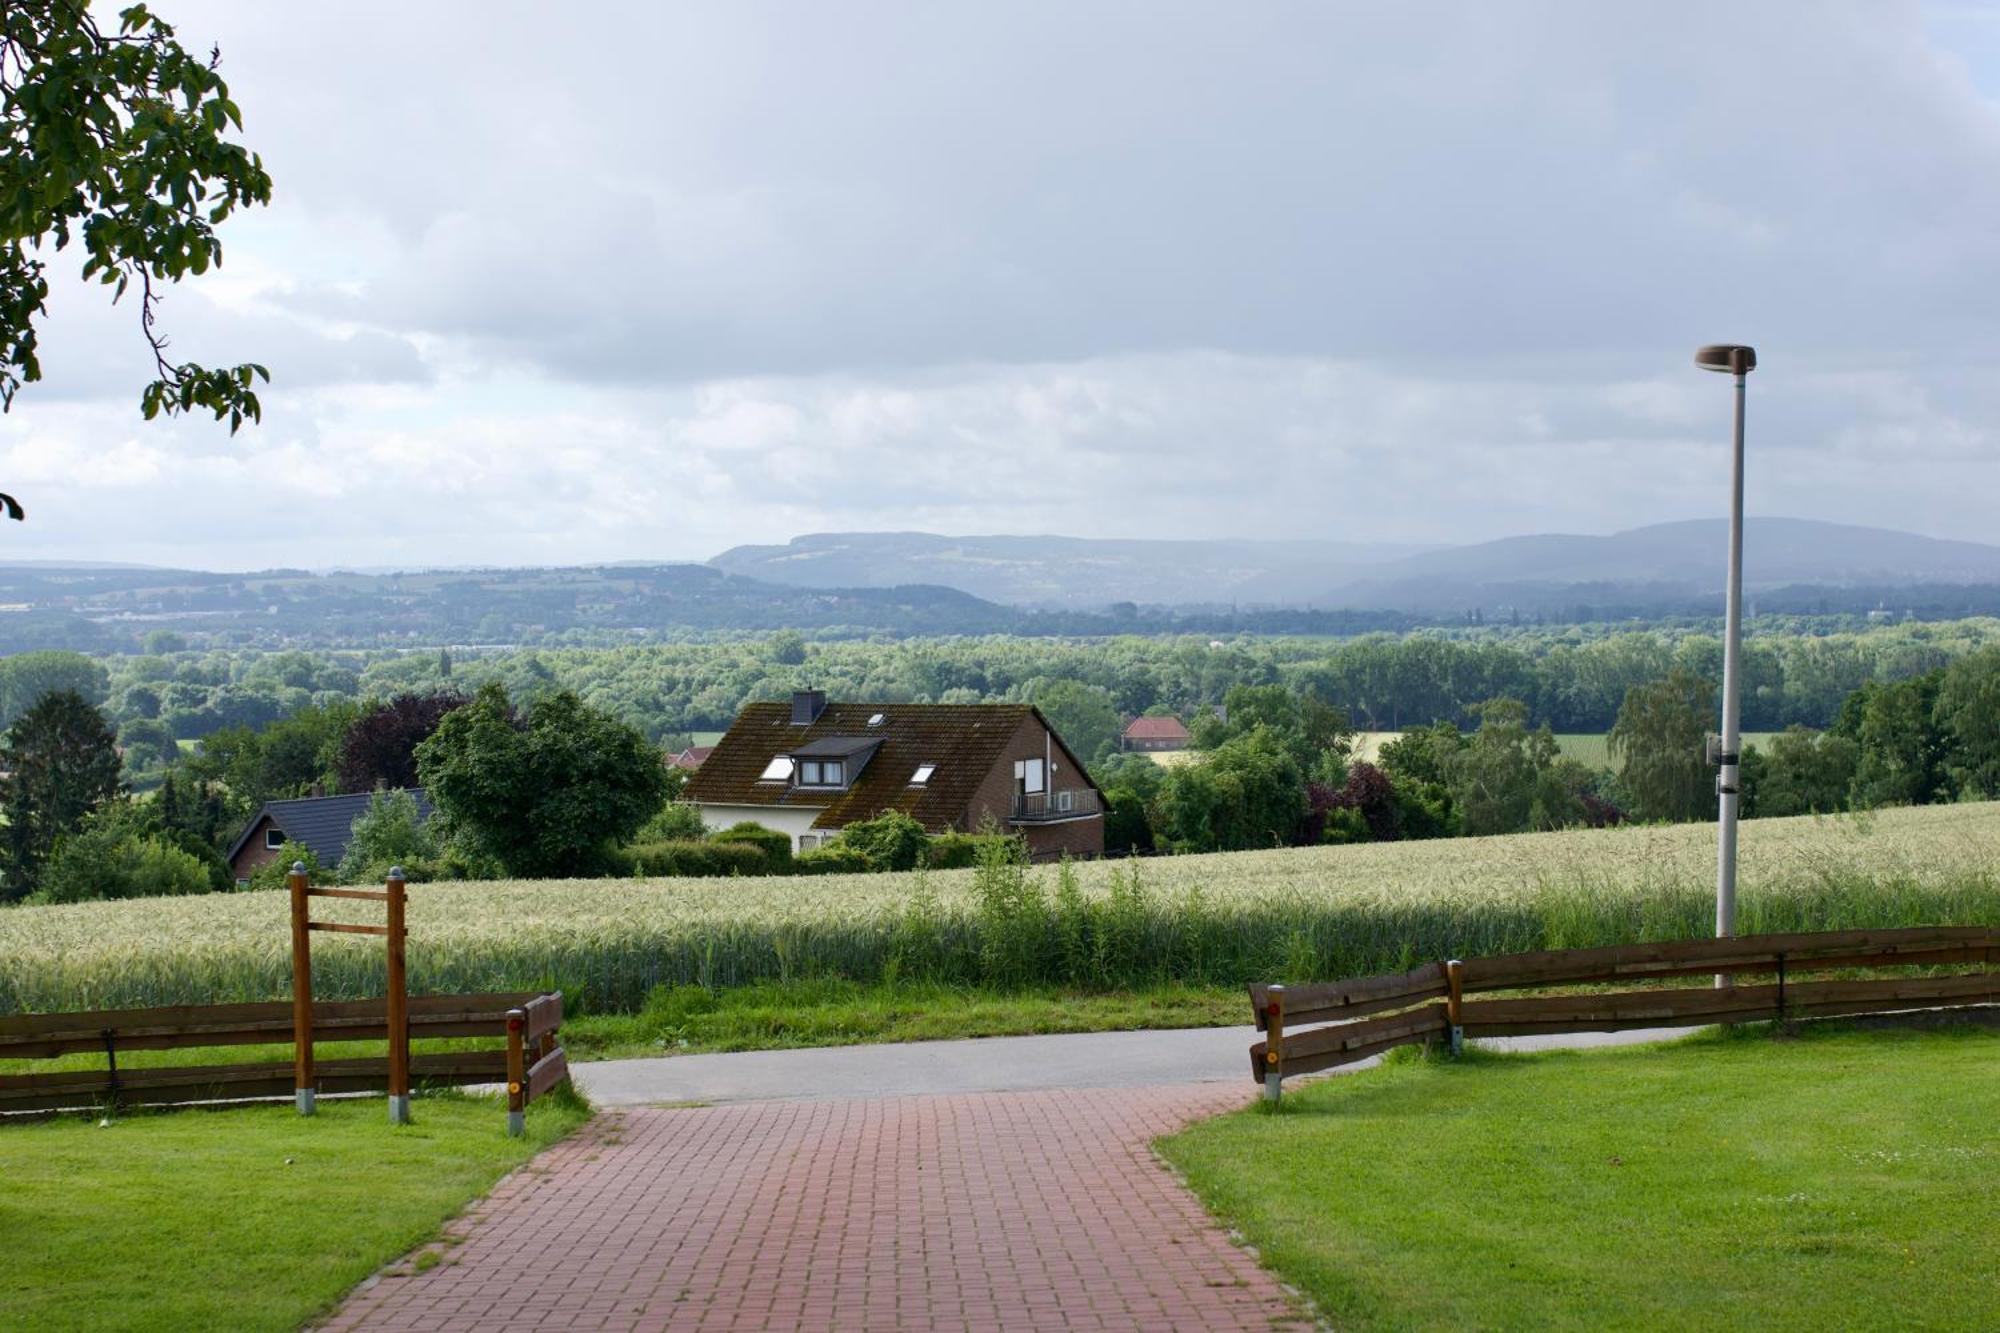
x=997, y=1211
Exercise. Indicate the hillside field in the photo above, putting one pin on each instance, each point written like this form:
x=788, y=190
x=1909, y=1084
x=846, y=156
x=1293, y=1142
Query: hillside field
x=1219, y=919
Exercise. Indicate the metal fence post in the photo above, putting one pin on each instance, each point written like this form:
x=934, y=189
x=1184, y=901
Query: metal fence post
x=1274, y=1044
x=302, y=993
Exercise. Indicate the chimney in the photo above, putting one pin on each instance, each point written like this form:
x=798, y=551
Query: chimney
x=807, y=705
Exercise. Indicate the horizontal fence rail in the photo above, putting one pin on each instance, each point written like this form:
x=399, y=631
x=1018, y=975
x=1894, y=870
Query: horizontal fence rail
x=1365, y=1016
x=184, y=1027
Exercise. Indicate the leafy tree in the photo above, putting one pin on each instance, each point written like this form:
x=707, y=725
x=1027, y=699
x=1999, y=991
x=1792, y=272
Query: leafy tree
x=1247, y=792
x=1805, y=772
x=61, y=762
x=1968, y=715
x=1083, y=715
x=26, y=678
x=290, y=757
x=390, y=832
x=379, y=748
x=1361, y=809
x=546, y=794
x=1129, y=782
x=117, y=139
x=1902, y=753
x=148, y=744
x=198, y=814
x=1659, y=736
x=1308, y=727
x=1423, y=754
x=1508, y=779
x=788, y=648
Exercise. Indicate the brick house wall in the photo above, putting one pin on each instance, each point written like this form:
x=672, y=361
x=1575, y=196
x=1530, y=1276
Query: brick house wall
x=1082, y=838
x=254, y=853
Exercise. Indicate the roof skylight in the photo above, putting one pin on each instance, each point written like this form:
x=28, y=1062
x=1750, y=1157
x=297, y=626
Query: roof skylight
x=922, y=775
x=875, y=719
x=778, y=770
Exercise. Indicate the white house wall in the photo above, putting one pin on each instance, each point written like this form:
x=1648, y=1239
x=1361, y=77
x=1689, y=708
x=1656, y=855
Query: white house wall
x=790, y=819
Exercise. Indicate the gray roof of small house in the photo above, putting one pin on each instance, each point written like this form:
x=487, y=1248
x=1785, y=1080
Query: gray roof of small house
x=322, y=823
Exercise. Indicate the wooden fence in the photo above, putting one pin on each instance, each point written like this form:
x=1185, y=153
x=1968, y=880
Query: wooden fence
x=529, y=1062
x=1366, y=1016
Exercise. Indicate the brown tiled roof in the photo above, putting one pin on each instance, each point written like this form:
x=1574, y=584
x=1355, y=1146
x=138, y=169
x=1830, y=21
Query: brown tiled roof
x=1156, y=729
x=692, y=757
x=965, y=741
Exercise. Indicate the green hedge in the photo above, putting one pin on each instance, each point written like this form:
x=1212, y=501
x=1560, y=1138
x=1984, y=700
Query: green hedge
x=690, y=858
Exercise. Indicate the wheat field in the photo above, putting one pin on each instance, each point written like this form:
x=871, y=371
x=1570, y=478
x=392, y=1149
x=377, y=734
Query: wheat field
x=1223, y=918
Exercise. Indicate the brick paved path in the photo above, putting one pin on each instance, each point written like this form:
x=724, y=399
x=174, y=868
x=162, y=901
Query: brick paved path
x=1027, y=1210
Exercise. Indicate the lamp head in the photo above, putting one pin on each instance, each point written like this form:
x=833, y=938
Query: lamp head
x=1727, y=358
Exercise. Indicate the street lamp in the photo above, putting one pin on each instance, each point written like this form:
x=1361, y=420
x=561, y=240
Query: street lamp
x=1730, y=359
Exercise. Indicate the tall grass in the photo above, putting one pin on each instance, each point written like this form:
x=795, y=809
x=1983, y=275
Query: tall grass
x=1225, y=919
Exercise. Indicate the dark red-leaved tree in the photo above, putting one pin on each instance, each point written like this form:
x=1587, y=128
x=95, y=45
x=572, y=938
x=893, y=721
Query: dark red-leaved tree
x=380, y=747
x=1367, y=790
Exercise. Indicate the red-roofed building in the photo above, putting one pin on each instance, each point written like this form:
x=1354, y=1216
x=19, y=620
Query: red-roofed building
x=690, y=758
x=1154, y=733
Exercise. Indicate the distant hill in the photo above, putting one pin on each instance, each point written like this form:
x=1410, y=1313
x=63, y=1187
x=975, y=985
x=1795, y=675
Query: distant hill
x=1063, y=572
x=1678, y=566
x=1664, y=563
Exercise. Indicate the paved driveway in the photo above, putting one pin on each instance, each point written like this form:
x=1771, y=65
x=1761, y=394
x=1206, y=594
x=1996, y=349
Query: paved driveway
x=985, y=1211
x=1000, y=1184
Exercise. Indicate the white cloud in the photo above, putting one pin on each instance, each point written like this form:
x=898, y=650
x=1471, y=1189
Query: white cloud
x=676, y=277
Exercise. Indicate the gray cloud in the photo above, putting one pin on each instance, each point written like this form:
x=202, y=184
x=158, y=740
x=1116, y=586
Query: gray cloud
x=665, y=278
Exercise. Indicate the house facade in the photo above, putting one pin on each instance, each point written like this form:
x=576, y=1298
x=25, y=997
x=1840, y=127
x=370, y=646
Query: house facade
x=322, y=823
x=1147, y=734
x=809, y=768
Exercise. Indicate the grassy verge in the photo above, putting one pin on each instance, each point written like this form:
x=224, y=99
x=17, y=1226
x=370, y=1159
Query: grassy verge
x=775, y=1015
x=1839, y=1179
x=246, y=1218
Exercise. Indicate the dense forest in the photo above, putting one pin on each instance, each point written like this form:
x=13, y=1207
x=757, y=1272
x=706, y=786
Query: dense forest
x=1572, y=679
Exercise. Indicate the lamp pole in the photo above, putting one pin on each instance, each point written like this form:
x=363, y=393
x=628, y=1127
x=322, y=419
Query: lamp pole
x=1737, y=361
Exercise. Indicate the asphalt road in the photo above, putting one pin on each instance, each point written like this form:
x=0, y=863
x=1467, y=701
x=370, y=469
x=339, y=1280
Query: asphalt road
x=985, y=1064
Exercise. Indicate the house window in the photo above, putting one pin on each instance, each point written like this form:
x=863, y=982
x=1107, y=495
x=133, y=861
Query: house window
x=923, y=775
x=274, y=838
x=778, y=770
x=822, y=773
x=1028, y=776
x=808, y=841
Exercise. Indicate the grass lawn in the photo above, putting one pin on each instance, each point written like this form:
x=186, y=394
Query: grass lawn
x=247, y=1218
x=1839, y=1179
x=773, y=1015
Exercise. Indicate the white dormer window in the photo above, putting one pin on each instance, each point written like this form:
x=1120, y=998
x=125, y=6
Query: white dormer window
x=923, y=775
x=274, y=838
x=778, y=770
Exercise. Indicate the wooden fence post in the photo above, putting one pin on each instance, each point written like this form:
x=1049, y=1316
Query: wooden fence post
x=1454, y=1005
x=517, y=1073
x=302, y=991
x=398, y=1005
x=1274, y=1044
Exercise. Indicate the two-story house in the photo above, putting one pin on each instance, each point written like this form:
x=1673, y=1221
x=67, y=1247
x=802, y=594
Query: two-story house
x=810, y=768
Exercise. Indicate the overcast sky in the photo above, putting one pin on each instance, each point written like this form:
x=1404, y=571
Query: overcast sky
x=669, y=278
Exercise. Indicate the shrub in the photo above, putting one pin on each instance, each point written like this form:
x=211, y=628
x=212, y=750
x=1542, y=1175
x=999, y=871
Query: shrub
x=891, y=840
x=833, y=859
x=272, y=874
x=697, y=859
x=959, y=851
x=390, y=832
x=102, y=863
x=776, y=846
x=675, y=822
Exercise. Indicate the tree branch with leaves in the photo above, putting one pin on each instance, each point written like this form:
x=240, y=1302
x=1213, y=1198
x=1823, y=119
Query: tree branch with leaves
x=117, y=139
